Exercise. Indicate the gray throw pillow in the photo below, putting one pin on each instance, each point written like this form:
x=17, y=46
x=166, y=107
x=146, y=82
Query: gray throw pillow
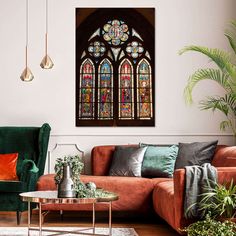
x=127, y=161
x=197, y=153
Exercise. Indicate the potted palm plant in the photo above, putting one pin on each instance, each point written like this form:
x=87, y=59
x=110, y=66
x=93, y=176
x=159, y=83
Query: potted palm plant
x=224, y=75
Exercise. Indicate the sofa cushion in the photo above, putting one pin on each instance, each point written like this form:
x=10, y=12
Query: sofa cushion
x=8, y=166
x=127, y=161
x=163, y=201
x=159, y=161
x=135, y=194
x=196, y=153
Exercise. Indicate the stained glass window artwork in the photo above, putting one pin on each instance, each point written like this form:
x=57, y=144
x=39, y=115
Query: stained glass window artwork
x=87, y=85
x=115, y=52
x=144, y=90
x=115, y=68
x=134, y=49
x=96, y=49
x=147, y=55
x=136, y=34
x=115, y=32
x=109, y=54
x=83, y=54
x=96, y=33
x=126, y=90
x=105, y=90
x=122, y=54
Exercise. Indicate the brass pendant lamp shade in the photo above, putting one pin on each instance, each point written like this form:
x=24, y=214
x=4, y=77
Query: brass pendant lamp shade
x=26, y=75
x=46, y=63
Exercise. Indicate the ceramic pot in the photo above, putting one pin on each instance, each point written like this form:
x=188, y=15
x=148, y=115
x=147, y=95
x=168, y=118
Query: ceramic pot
x=66, y=186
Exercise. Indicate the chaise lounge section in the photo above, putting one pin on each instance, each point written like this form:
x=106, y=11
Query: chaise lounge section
x=165, y=196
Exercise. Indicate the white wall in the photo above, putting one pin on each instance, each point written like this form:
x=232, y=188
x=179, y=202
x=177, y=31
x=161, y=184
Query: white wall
x=51, y=96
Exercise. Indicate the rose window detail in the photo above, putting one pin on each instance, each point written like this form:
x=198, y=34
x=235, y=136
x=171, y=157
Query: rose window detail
x=115, y=32
x=134, y=49
x=96, y=49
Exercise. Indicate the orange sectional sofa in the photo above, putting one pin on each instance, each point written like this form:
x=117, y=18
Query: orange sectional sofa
x=165, y=196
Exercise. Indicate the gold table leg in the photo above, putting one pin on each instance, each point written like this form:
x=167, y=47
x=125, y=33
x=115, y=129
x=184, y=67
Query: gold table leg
x=110, y=220
x=40, y=219
x=29, y=218
x=93, y=218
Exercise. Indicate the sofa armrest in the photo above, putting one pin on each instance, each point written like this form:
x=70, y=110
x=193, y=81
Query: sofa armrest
x=29, y=174
x=179, y=195
x=225, y=174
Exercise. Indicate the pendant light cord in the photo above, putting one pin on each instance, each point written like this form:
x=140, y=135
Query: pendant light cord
x=46, y=16
x=27, y=36
x=46, y=35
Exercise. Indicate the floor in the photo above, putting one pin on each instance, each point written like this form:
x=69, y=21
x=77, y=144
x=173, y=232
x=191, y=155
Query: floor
x=144, y=226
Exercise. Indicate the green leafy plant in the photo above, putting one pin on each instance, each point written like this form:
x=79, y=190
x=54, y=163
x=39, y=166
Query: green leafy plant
x=76, y=165
x=211, y=227
x=83, y=190
x=224, y=75
x=219, y=202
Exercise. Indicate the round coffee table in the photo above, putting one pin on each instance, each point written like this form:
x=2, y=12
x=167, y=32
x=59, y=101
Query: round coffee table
x=44, y=197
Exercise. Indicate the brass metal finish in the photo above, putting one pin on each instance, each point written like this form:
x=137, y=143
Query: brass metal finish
x=27, y=75
x=46, y=62
x=43, y=197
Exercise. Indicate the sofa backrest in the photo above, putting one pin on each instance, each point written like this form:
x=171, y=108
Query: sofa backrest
x=29, y=142
x=225, y=156
x=101, y=158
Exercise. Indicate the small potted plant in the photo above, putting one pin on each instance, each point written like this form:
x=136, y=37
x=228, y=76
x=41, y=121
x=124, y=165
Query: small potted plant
x=220, y=202
x=76, y=165
x=212, y=227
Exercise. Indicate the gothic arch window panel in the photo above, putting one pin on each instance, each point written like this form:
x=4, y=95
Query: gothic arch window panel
x=115, y=73
x=144, y=90
x=126, y=90
x=87, y=90
x=105, y=90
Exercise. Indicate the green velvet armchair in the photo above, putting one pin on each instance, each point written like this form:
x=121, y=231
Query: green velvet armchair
x=31, y=144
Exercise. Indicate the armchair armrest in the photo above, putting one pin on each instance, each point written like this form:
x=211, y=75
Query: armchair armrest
x=29, y=174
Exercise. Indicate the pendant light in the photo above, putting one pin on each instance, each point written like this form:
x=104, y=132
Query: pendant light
x=27, y=75
x=46, y=63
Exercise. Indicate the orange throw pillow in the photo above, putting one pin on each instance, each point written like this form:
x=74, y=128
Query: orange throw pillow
x=8, y=166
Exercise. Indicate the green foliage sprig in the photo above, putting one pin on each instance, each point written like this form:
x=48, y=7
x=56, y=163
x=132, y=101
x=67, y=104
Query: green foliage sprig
x=219, y=201
x=76, y=165
x=211, y=227
x=83, y=190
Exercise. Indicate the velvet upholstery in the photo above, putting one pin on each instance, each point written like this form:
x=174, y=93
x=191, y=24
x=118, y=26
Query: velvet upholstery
x=31, y=144
x=139, y=201
x=143, y=195
x=8, y=166
x=225, y=174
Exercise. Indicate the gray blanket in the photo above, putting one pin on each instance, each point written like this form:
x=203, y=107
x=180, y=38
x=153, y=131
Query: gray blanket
x=198, y=180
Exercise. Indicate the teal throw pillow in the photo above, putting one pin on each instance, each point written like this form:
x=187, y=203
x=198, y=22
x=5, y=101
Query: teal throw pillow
x=159, y=161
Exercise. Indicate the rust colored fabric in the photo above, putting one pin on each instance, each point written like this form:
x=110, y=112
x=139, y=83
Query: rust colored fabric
x=101, y=158
x=163, y=201
x=225, y=156
x=8, y=166
x=139, y=201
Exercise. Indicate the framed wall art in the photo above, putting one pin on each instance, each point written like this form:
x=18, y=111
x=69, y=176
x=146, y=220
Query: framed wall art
x=115, y=72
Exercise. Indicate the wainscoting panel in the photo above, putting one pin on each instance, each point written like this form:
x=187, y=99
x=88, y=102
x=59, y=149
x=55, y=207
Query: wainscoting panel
x=60, y=145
